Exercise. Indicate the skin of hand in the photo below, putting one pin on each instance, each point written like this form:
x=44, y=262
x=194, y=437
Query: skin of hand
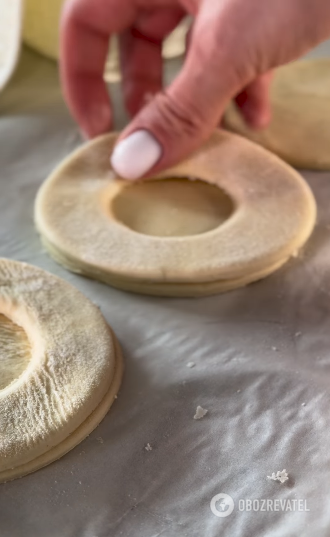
x=233, y=46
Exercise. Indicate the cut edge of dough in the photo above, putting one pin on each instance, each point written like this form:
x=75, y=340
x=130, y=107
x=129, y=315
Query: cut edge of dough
x=84, y=430
x=169, y=289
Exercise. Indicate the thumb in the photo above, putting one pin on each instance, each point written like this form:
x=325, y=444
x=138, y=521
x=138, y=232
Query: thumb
x=182, y=117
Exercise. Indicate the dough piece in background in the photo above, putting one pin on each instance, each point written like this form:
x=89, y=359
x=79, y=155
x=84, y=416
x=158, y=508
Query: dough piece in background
x=60, y=368
x=299, y=131
x=230, y=214
x=41, y=32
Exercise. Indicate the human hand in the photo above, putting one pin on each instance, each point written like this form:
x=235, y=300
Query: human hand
x=233, y=46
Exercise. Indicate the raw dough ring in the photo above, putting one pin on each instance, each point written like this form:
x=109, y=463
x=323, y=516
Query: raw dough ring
x=299, y=131
x=73, y=375
x=274, y=215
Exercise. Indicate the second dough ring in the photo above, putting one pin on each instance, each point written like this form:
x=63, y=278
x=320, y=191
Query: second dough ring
x=70, y=375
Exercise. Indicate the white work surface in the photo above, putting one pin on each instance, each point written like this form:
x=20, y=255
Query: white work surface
x=262, y=370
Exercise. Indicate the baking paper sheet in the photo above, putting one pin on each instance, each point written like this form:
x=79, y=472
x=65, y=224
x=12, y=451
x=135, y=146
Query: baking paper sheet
x=262, y=370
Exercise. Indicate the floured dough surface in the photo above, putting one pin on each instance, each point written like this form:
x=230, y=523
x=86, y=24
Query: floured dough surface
x=240, y=216
x=60, y=368
x=299, y=131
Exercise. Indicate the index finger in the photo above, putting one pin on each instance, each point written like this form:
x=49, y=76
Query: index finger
x=86, y=27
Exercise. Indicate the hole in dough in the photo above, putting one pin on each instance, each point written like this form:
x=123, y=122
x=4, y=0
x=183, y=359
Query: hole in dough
x=15, y=351
x=174, y=207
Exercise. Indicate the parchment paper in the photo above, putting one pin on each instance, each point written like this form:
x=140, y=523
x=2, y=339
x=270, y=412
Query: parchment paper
x=262, y=369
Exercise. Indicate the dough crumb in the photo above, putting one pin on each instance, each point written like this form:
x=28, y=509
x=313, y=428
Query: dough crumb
x=79, y=482
x=279, y=476
x=100, y=439
x=238, y=391
x=274, y=349
x=200, y=413
x=191, y=364
x=303, y=404
x=295, y=253
x=148, y=447
x=297, y=334
x=116, y=396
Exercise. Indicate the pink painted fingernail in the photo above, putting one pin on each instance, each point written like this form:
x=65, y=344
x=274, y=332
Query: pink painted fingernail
x=134, y=156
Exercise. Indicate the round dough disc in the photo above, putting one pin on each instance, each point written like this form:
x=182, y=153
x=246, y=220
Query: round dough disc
x=60, y=368
x=244, y=217
x=299, y=131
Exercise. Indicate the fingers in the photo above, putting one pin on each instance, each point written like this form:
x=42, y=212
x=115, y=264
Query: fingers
x=85, y=29
x=141, y=56
x=254, y=101
x=178, y=120
x=141, y=68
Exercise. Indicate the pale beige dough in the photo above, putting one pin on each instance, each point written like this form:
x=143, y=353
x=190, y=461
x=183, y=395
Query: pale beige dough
x=162, y=289
x=299, y=131
x=184, y=238
x=60, y=368
x=41, y=32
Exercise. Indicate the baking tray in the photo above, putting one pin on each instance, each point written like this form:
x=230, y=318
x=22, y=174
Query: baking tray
x=262, y=369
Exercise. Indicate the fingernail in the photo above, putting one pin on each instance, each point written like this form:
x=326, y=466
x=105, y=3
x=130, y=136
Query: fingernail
x=135, y=155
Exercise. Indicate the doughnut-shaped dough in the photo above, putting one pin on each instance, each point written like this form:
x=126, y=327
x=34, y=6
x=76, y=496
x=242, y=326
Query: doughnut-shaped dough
x=274, y=214
x=72, y=375
x=299, y=131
